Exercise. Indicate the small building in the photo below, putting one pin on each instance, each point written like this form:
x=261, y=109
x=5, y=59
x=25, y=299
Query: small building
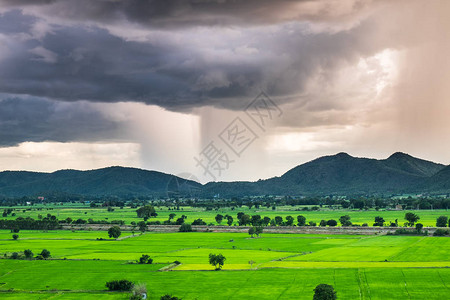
x=399, y=207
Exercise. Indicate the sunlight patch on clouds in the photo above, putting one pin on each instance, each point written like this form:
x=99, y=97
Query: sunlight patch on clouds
x=81, y=156
x=296, y=142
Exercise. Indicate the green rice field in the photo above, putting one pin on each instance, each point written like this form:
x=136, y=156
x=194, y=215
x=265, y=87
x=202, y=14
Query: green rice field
x=285, y=266
x=127, y=214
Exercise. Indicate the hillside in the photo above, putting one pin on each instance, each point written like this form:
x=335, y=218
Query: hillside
x=339, y=174
x=117, y=181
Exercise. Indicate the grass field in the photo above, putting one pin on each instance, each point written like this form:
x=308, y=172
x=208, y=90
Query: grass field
x=427, y=217
x=286, y=266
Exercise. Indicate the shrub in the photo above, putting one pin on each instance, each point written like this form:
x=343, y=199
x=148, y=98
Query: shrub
x=199, y=222
x=15, y=236
x=145, y=259
x=14, y=255
x=331, y=223
x=324, y=292
x=120, y=285
x=441, y=232
x=185, y=228
x=28, y=253
x=45, y=253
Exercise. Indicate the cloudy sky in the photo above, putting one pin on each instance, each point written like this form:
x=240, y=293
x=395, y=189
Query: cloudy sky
x=173, y=85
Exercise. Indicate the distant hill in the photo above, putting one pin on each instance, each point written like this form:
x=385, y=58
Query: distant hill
x=339, y=174
x=439, y=182
x=117, y=181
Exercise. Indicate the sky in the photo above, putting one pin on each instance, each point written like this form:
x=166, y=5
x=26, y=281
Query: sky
x=221, y=89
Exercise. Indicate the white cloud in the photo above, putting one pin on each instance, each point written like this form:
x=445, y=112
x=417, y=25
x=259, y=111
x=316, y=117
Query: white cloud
x=44, y=54
x=52, y=156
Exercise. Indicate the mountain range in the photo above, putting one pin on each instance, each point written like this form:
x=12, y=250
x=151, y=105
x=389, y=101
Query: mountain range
x=339, y=174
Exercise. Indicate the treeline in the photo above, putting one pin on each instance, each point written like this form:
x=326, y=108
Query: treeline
x=236, y=202
x=30, y=223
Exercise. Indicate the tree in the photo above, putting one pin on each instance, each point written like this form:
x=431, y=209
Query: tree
x=419, y=227
x=278, y=220
x=256, y=220
x=28, y=253
x=15, y=236
x=258, y=230
x=324, y=292
x=145, y=259
x=289, y=220
x=179, y=221
x=146, y=211
x=14, y=255
x=114, y=232
x=199, y=222
x=217, y=260
x=251, y=231
x=171, y=216
x=45, y=253
x=229, y=220
x=332, y=223
x=244, y=220
x=219, y=218
x=379, y=221
x=301, y=220
x=323, y=223
x=345, y=220
x=441, y=221
x=411, y=218
x=142, y=226
x=185, y=228
x=119, y=285
x=251, y=262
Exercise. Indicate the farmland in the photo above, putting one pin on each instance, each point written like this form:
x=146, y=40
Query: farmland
x=127, y=214
x=285, y=265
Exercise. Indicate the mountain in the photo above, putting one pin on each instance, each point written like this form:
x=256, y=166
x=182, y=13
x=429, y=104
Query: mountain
x=439, y=182
x=117, y=181
x=339, y=174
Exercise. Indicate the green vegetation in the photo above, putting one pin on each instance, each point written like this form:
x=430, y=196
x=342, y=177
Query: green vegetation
x=119, y=285
x=324, y=292
x=442, y=221
x=27, y=217
x=339, y=174
x=283, y=265
x=217, y=260
x=114, y=232
x=145, y=259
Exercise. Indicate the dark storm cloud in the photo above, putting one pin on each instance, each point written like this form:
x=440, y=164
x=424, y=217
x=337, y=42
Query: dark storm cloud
x=181, y=13
x=28, y=119
x=78, y=62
